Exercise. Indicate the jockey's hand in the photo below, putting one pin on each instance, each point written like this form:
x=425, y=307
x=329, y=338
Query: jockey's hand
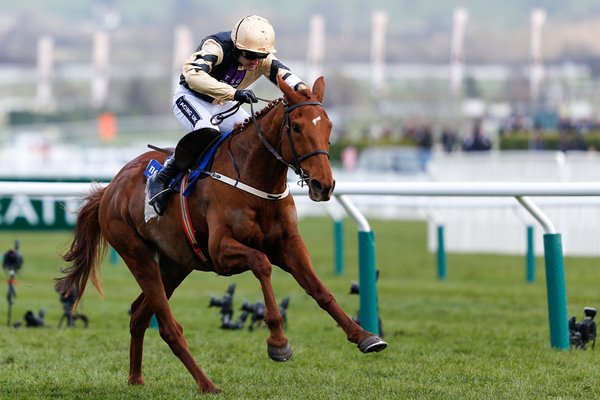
x=302, y=88
x=245, y=96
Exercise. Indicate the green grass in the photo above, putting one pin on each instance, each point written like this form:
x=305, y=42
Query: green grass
x=481, y=334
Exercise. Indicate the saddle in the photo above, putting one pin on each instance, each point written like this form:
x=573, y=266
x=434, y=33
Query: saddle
x=186, y=158
x=205, y=144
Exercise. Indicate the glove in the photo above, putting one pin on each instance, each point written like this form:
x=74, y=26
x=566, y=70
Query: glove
x=245, y=96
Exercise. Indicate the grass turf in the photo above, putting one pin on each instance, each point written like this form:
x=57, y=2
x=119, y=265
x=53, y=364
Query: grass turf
x=480, y=334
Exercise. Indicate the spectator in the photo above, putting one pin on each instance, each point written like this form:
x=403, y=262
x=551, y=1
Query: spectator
x=349, y=158
x=448, y=139
x=537, y=142
x=425, y=142
x=477, y=141
x=578, y=143
x=563, y=141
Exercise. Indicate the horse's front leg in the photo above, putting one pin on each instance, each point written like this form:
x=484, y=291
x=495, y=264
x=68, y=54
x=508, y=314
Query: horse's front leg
x=296, y=260
x=234, y=257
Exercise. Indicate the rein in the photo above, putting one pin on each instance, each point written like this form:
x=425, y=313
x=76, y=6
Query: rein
x=286, y=121
x=220, y=117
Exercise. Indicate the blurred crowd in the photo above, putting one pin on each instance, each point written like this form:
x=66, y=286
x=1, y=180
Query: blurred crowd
x=571, y=136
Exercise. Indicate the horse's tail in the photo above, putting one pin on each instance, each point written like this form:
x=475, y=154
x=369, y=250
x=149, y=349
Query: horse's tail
x=86, y=252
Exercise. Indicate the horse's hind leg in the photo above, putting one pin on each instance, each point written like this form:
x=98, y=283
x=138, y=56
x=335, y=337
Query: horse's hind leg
x=147, y=274
x=141, y=315
x=140, y=320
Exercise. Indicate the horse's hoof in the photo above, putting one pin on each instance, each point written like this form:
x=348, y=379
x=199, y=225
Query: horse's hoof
x=372, y=344
x=212, y=390
x=136, y=380
x=280, y=353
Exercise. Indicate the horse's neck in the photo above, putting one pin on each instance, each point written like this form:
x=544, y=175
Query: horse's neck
x=258, y=167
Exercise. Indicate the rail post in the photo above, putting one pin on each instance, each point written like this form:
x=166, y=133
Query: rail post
x=338, y=239
x=368, y=313
x=441, y=253
x=337, y=214
x=555, y=277
x=557, y=296
x=530, y=257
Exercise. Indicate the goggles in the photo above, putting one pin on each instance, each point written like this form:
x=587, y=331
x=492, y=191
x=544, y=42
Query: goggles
x=250, y=55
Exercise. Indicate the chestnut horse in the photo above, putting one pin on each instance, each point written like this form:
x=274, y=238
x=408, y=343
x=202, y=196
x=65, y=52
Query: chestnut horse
x=237, y=230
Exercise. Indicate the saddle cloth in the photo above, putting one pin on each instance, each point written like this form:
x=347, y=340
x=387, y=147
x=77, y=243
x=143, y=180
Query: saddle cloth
x=200, y=171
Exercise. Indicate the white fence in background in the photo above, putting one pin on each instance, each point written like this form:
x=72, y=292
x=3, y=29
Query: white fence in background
x=577, y=219
x=494, y=225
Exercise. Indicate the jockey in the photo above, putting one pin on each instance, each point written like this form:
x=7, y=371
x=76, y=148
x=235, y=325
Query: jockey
x=214, y=78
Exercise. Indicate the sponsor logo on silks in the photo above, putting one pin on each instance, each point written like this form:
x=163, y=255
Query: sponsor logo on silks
x=187, y=110
x=234, y=77
x=153, y=166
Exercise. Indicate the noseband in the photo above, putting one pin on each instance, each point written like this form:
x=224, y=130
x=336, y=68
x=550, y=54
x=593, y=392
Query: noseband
x=287, y=123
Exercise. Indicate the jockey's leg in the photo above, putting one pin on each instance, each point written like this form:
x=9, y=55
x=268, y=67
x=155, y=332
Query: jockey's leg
x=187, y=152
x=158, y=185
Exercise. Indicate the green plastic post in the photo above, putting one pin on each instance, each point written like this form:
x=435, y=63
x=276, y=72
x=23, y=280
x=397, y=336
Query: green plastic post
x=339, y=246
x=368, y=313
x=114, y=257
x=441, y=253
x=154, y=322
x=530, y=258
x=557, y=296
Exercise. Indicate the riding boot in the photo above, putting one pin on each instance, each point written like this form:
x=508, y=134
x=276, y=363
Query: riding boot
x=158, y=186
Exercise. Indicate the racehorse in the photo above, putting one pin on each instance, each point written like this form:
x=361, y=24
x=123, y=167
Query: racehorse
x=238, y=230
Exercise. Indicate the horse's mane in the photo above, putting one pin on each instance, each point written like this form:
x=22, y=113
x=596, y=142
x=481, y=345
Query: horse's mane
x=258, y=114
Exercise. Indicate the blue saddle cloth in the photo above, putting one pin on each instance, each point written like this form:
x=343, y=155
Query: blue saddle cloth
x=197, y=173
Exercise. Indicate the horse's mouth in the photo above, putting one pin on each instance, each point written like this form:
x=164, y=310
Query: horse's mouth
x=317, y=191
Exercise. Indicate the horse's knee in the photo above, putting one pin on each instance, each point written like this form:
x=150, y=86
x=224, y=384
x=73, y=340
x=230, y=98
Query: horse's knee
x=138, y=326
x=140, y=320
x=260, y=266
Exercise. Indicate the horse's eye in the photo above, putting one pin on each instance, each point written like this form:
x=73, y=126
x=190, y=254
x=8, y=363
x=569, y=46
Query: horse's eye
x=296, y=128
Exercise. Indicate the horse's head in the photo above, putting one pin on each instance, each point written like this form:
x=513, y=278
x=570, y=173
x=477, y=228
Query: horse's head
x=305, y=141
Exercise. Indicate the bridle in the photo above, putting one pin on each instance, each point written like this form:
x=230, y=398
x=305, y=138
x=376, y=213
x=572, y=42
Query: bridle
x=285, y=124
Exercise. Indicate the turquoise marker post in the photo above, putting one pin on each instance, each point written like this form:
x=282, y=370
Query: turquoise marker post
x=367, y=274
x=154, y=322
x=557, y=295
x=555, y=277
x=367, y=282
x=114, y=256
x=338, y=239
x=441, y=253
x=530, y=258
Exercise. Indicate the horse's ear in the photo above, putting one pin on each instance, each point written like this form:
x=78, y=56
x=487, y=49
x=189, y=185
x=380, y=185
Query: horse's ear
x=287, y=91
x=319, y=88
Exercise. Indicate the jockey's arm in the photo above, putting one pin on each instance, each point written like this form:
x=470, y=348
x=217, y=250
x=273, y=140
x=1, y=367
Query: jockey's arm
x=196, y=72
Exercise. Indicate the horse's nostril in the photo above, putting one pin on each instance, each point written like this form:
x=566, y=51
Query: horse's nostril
x=316, y=186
